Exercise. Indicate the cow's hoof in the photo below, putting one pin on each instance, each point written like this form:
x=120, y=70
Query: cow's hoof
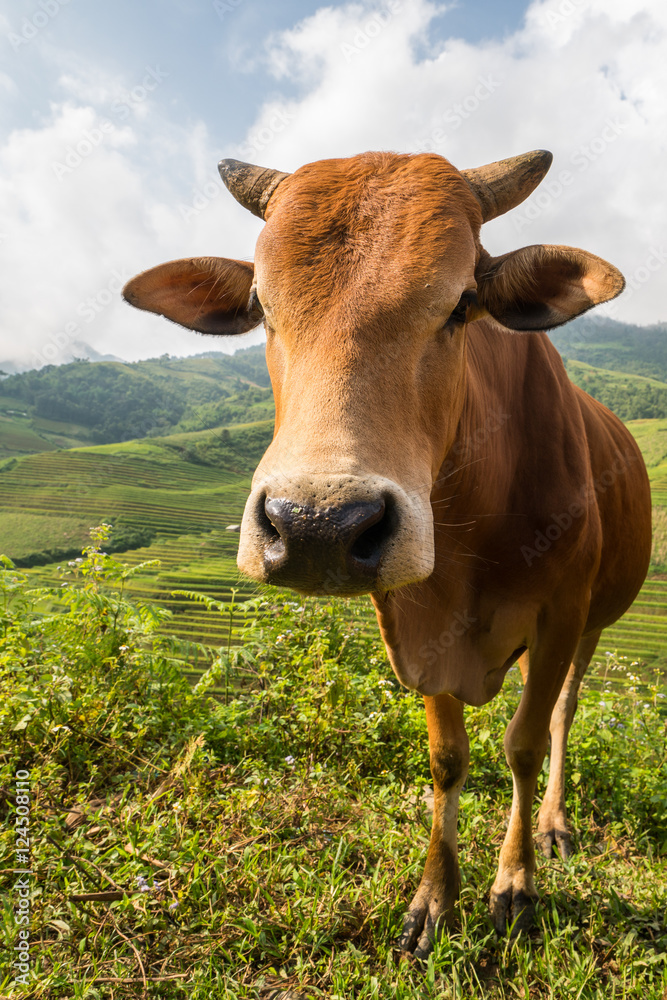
x=422, y=925
x=512, y=910
x=554, y=842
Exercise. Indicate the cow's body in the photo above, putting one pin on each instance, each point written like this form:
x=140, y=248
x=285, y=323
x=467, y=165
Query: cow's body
x=538, y=476
x=425, y=454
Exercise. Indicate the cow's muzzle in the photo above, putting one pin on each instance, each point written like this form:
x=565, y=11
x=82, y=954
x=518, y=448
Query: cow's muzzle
x=326, y=549
x=335, y=534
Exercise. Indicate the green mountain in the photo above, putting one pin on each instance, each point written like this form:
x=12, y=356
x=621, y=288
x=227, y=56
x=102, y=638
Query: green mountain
x=631, y=397
x=83, y=403
x=606, y=343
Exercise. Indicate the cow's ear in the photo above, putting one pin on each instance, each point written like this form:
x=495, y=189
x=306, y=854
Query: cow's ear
x=207, y=294
x=539, y=287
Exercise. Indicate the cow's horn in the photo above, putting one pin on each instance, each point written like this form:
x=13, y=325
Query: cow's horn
x=504, y=184
x=251, y=186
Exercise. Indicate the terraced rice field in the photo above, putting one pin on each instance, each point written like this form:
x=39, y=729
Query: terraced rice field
x=202, y=563
x=659, y=491
x=207, y=564
x=188, y=507
x=641, y=634
x=171, y=498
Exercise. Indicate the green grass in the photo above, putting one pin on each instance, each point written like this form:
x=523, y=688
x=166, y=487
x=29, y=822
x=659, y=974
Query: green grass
x=20, y=531
x=147, y=486
x=266, y=843
x=23, y=433
x=651, y=436
x=659, y=553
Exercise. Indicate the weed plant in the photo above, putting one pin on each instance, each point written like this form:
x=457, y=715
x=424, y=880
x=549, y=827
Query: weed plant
x=260, y=835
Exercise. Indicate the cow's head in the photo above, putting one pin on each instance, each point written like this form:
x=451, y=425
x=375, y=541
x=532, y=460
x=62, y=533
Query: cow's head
x=366, y=275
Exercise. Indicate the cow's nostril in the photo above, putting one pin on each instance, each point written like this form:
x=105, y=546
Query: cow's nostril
x=369, y=545
x=263, y=514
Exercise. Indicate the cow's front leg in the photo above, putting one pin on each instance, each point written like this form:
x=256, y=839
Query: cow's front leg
x=513, y=896
x=433, y=905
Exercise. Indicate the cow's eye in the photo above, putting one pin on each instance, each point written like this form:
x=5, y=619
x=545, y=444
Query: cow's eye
x=254, y=305
x=460, y=311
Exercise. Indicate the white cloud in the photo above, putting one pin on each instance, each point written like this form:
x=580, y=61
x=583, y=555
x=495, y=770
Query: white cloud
x=585, y=78
x=79, y=215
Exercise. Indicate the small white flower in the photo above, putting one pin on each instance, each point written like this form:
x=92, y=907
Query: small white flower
x=290, y=760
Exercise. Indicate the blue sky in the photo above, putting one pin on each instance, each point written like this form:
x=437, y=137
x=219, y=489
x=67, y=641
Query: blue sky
x=208, y=50
x=153, y=94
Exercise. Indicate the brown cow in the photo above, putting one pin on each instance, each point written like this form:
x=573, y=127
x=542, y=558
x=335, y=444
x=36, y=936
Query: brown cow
x=431, y=451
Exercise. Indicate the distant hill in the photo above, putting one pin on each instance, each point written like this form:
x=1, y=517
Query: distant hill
x=631, y=397
x=76, y=351
x=82, y=403
x=97, y=402
x=624, y=347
